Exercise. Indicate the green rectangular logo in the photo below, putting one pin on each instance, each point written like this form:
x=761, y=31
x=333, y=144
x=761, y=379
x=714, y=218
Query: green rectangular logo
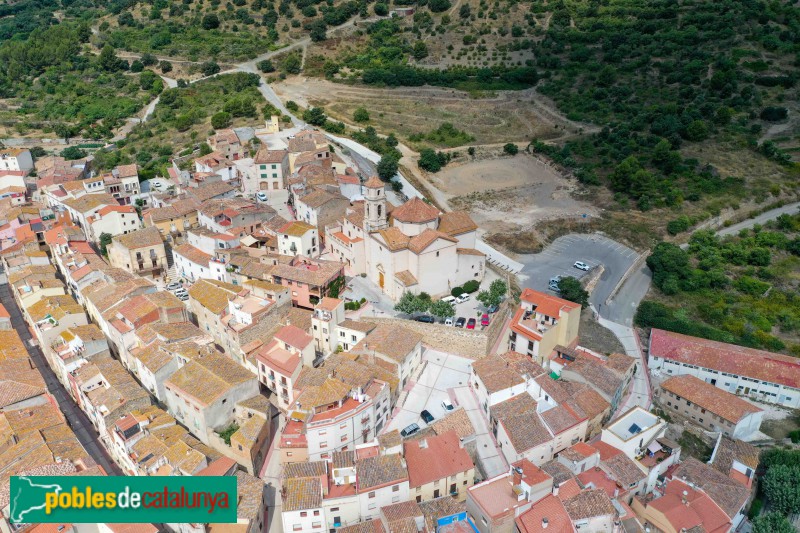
x=114, y=499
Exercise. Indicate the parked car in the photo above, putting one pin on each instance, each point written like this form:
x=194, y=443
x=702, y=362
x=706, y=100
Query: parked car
x=449, y=299
x=447, y=406
x=471, y=323
x=181, y=290
x=182, y=297
x=426, y=416
x=448, y=321
x=409, y=430
x=460, y=322
x=262, y=196
x=174, y=286
x=425, y=318
x=492, y=309
x=580, y=265
x=463, y=298
x=485, y=320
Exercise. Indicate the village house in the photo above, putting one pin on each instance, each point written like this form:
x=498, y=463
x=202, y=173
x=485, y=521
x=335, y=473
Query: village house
x=227, y=143
x=757, y=374
x=123, y=184
x=140, y=252
x=396, y=349
x=321, y=208
x=191, y=263
x=202, y=393
x=280, y=361
x=15, y=160
x=74, y=347
x=332, y=331
x=80, y=209
x=497, y=378
x=687, y=397
x=736, y=459
x=381, y=480
x=214, y=167
x=438, y=466
x=53, y=314
x=269, y=171
x=155, y=363
x=178, y=216
x=609, y=375
x=308, y=280
x=222, y=215
x=113, y=220
x=542, y=322
x=298, y=238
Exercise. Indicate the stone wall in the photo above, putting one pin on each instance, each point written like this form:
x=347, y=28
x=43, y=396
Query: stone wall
x=467, y=343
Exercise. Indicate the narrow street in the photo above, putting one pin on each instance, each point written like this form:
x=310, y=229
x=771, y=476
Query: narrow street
x=76, y=418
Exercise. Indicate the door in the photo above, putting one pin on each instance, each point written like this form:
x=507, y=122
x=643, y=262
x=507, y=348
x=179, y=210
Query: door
x=380, y=279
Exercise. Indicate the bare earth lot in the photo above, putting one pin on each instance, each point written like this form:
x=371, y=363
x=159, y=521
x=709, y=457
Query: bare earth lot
x=510, y=191
x=501, y=117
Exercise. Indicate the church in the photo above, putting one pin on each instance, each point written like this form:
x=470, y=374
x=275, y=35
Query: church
x=409, y=248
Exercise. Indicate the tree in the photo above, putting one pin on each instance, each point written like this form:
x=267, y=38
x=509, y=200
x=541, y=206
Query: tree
x=266, y=66
x=210, y=22
x=148, y=60
x=315, y=116
x=165, y=66
x=387, y=167
x=669, y=265
x=471, y=151
x=410, y=303
x=361, y=115
x=510, y=149
x=209, y=68
x=205, y=149
x=108, y=61
x=572, y=290
x=72, y=152
x=381, y=9
x=772, y=522
x=137, y=66
x=292, y=64
x=497, y=290
x=464, y=12
x=391, y=140
x=291, y=105
x=105, y=240
x=220, y=120
x=782, y=488
x=438, y=6
x=420, y=50
x=428, y=160
x=697, y=131
x=442, y=309
x=317, y=30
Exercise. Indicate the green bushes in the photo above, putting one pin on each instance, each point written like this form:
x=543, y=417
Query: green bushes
x=457, y=291
x=471, y=286
x=678, y=225
x=445, y=135
x=354, y=305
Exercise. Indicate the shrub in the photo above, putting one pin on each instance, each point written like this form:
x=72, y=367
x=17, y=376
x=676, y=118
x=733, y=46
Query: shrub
x=678, y=225
x=471, y=286
x=361, y=115
x=381, y=9
x=511, y=149
x=457, y=291
x=266, y=66
x=210, y=22
x=774, y=114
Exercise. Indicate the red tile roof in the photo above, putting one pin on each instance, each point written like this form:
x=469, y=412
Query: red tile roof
x=117, y=209
x=709, y=397
x=550, y=511
x=730, y=358
x=607, y=451
x=220, y=467
x=415, y=211
x=441, y=457
x=293, y=336
x=699, y=509
x=547, y=304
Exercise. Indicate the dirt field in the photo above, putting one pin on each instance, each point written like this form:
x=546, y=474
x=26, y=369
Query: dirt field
x=510, y=190
x=504, y=116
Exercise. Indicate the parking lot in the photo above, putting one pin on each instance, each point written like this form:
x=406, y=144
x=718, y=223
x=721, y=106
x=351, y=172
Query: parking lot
x=446, y=377
x=558, y=258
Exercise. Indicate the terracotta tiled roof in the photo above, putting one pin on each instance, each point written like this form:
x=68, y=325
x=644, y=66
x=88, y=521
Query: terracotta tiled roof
x=578, y=452
x=438, y=508
x=457, y=420
x=208, y=377
x=547, y=304
x=690, y=510
x=318, y=198
x=495, y=374
x=355, y=325
x=394, y=238
x=730, y=358
x=374, y=182
x=391, y=341
x=624, y=470
x=195, y=255
x=319, y=274
x=585, y=400
x=209, y=190
x=126, y=171
x=380, y=470
x=548, y=509
x=560, y=418
x=296, y=228
x=331, y=391
x=140, y=238
x=516, y=405
x=420, y=243
x=302, y=493
x=306, y=469
x=729, y=450
x=525, y=430
x=456, y=223
x=415, y=211
x=730, y=495
x=558, y=471
x=435, y=458
x=589, y=504
x=266, y=156
x=87, y=202
x=370, y=526
x=406, y=278
x=293, y=336
x=212, y=294
x=709, y=397
x=469, y=251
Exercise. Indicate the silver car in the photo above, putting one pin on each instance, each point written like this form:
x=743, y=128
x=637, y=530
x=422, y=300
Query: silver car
x=580, y=265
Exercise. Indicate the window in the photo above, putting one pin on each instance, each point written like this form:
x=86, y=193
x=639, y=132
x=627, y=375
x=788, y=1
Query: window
x=371, y=506
x=371, y=494
x=344, y=438
x=334, y=509
x=316, y=525
x=353, y=338
x=303, y=514
x=297, y=527
x=437, y=254
x=316, y=513
x=395, y=499
x=396, y=488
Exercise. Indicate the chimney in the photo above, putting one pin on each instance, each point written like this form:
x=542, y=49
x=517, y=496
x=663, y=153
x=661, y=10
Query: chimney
x=555, y=489
x=545, y=523
x=684, y=499
x=616, y=492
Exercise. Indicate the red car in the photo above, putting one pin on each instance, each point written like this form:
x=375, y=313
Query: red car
x=485, y=320
x=471, y=323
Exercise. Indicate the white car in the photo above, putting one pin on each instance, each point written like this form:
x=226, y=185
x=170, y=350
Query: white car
x=447, y=406
x=448, y=321
x=262, y=196
x=580, y=265
x=463, y=298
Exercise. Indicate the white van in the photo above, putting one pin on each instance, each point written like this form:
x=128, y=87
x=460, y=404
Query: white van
x=449, y=299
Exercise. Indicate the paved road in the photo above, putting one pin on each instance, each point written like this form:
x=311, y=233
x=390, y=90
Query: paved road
x=77, y=419
x=557, y=260
x=772, y=214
